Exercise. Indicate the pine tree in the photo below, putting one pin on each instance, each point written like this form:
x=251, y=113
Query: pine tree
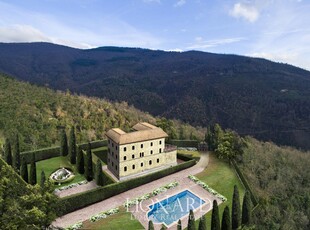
x=246, y=209
x=72, y=146
x=191, y=221
x=43, y=179
x=99, y=176
x=16, y=154
x=235, y=213
x=89, y=164
x=63, y=144
x=226, y=225
x=33, y=171
x=215, y=219
x=202, y=223
x=24, y=170
x=8, y=152
x=151, y=225
x=179, y=226
x=80, y=161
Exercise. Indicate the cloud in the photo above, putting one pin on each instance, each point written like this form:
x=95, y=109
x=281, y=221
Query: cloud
x=179, y=3
x=21, y=33
x=200, y=44
x=246, y=11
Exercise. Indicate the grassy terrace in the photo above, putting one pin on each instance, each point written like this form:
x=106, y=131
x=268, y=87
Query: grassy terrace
x=219, y=175
x=51, y=165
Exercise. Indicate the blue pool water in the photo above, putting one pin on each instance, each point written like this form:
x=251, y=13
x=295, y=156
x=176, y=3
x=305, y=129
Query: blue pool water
x=174, y=207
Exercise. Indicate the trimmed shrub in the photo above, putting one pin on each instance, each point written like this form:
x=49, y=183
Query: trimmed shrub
x=94, y=144
x=184, y=157
x=84, y=199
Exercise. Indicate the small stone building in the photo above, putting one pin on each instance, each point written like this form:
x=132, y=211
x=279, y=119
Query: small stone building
x=139, y=152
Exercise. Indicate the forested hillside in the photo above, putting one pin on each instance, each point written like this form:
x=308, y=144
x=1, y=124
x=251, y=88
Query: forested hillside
x=268, y=100
x=281, y=178
x=38, y=114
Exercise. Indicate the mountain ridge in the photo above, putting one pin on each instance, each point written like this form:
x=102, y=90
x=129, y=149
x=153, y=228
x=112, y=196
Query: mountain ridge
x=254, y=96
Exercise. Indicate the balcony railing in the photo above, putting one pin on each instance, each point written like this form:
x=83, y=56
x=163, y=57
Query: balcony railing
x=169, y=148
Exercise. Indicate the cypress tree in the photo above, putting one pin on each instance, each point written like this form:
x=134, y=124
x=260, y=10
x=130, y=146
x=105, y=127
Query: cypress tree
x=246, y=209
x=179, y=226
x=226, y=225
x=99, y=176
x=151, y=225
x=43, y=179
x=202, y=223
x=24, y=170
x=8, y=152
x=89, y=164
x=63, y=144
x=191, y=221
x=235, y=213
x=215, y=219
x=80, y=161
x=17, y=154
x=163, y=227
x=72, y=146
x=33, y=171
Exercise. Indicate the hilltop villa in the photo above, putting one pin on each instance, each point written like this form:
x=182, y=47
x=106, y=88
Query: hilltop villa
x=139, y=152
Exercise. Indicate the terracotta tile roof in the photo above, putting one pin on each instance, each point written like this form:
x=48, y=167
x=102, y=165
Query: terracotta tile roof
x=144, y=131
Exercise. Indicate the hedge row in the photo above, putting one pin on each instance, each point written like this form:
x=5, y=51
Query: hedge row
x=47, y=153
x=184, y=157
x=245, y=183
x=84, y=199
x=41, y=154
x=94, y=144
x=184, y=143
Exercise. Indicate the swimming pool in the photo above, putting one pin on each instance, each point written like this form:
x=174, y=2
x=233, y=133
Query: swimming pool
x=174, y=207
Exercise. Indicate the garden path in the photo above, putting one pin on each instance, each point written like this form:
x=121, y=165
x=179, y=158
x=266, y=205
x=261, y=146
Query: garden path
x=118, y=200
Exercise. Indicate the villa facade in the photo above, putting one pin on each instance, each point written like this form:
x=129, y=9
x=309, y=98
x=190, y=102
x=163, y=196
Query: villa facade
x=139, y=152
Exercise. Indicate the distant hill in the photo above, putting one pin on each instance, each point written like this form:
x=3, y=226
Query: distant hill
x=268, y=100
x=38, y=113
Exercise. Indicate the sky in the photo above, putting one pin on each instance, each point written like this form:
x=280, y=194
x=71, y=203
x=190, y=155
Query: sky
x=277, y=30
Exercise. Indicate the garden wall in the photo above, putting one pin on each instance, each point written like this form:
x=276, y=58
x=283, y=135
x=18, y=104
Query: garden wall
x=84, y=199
x=47, y=153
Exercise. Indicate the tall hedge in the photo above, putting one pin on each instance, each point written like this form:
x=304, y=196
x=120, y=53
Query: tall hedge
x=179, y=226
x=202, y=223
x=80, y=161
x=226, y=225
x=33, y=172
x=89, y=164
x=235, y=212
x=84, y=199
x=8, y=152
x=24, y=170
x=191, y=221
x=99, y=173
x=72, y=146
x=63, y=144
x=215, y=219
x=246, y=209
x=16, y=154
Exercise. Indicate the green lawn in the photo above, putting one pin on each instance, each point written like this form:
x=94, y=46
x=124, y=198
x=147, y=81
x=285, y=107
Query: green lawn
x=220, y=176
x=51, y=165
x=121, y=220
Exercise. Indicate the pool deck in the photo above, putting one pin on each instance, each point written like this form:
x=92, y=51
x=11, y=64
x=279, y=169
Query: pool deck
x=140, y=211
x=118, y=200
